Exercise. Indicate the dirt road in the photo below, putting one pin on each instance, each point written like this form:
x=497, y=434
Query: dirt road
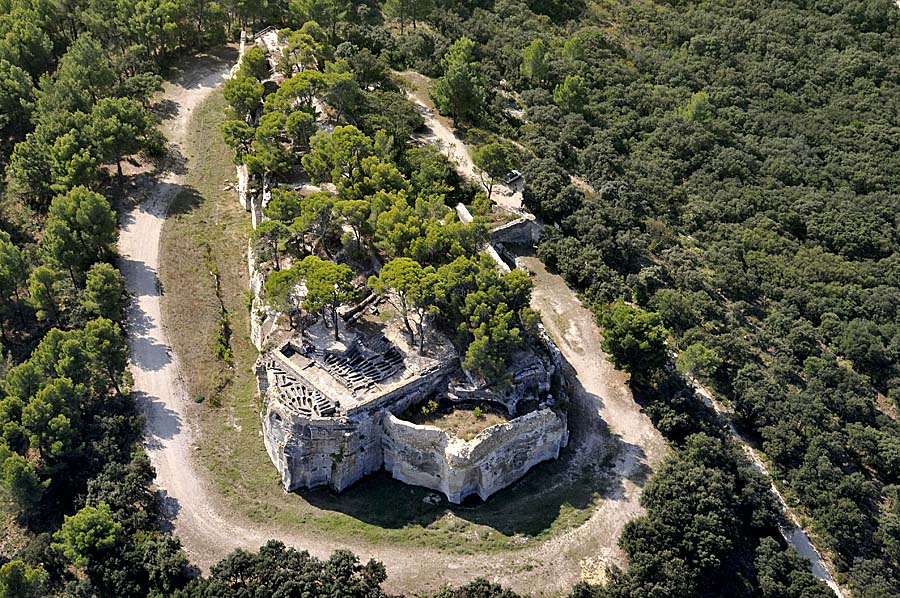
x=563, y=317
x=793, y=533
x=603, y=401
x=439, y=133
x=153, y=364
x=208, y=533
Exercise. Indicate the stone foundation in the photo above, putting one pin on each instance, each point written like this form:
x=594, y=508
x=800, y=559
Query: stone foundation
x=523, y=231
x=495, y=458
x=340, y=451
x=335, y=451
x=330, y=413
x=317, y=452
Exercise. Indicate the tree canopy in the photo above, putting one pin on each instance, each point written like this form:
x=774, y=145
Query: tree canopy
x=635, y=339
x=458, y=92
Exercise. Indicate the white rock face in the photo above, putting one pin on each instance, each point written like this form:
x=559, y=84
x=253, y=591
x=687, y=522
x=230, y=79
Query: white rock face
x=339, y=451
x=333, y=451
x=322, y=426
x=495, y=458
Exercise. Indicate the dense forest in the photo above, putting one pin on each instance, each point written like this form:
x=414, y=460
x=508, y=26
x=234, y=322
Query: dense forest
x=76, y=81
x=733, y=174
x=717, y=179
x=390, y=205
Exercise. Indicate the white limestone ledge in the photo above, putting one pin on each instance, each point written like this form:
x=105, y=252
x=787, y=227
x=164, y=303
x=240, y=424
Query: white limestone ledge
x=498, y=456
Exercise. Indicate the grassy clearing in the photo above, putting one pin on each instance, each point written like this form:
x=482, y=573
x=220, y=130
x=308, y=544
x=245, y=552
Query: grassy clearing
x=462, y=423
x=206, y=232
x=417, y=83
x=555, y=496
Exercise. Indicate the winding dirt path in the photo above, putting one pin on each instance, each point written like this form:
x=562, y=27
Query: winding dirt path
x=439, y=133
x=208, y=532
x=157, y=382
x=570, y=324
x=602, y=402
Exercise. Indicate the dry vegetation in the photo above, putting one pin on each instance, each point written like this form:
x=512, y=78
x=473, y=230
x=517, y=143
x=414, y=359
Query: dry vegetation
x=460, y=422
x=206, y=231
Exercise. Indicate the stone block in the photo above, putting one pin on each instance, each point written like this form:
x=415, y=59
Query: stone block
x=495, y=458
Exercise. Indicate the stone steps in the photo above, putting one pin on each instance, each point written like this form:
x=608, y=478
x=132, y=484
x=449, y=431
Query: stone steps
x=299, y=397
x=359, y=371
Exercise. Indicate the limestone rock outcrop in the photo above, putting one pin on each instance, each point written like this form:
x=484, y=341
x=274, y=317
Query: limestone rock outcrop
x=311, y=450
x=494, y=459
x=332, y=414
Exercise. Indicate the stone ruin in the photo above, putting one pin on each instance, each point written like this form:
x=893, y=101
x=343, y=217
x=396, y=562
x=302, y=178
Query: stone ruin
x=333, y=412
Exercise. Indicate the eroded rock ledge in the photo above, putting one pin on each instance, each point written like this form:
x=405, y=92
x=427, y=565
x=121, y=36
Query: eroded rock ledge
x=495, y=458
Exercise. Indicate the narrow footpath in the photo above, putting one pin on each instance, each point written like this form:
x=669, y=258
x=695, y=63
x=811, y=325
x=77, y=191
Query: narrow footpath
x=793, y=533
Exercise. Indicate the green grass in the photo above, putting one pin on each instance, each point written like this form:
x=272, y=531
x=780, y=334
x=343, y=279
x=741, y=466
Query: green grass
x=206, y=231
x=548, y=500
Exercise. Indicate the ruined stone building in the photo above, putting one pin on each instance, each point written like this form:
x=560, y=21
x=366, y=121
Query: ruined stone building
x=333, y=413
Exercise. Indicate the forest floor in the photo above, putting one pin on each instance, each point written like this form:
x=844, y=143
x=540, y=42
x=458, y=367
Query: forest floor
x=559, y=525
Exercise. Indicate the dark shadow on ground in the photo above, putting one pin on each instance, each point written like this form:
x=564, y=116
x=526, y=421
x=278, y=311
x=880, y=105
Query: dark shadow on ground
x=175, y=161
x=146, y=353
x=185, y=201
x=169, y=508
x=165, y=425
x=166, y=109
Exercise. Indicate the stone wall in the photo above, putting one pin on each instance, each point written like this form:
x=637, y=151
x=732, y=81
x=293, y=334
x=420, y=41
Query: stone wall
x=243, y=185
x=339, y=451
x=497, y=457
x=312, y=451
x=316, y=452
x=495, y=255
x=530, y=378
x=523, y=231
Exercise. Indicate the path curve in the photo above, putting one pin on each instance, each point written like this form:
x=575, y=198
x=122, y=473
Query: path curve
x=548, y=305
x=208, y=533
